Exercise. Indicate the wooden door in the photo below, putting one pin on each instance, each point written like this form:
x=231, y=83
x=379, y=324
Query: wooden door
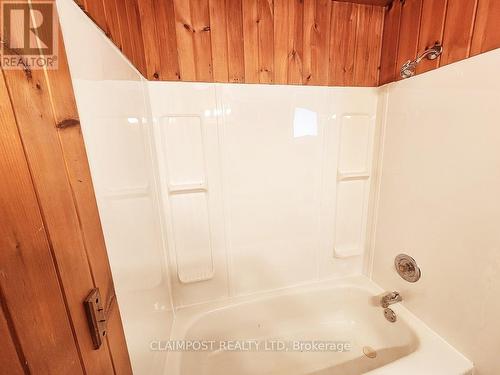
x=52, y=250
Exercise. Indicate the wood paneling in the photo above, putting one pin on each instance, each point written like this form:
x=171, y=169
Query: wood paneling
x=316, y=42
x=295, y=42
x=487, y=27
x=10, y=360
x=317, y=21
x=37, y=127
x=381, y=3
x=343, y=38
x=409, y=27
x=113, y=25
x=368, y=33
x=235, y=50
x=80, y=180
x=95, y=9
x=464, y=28
x=226, y=25
x=120, y=21
x=218, y=27
x=459, y=24
x=126, y=42
x=138, y=57
x=390, y=43
x=33, y=307
x=201, y=34
x=165, y=29
x=265, y=26
x=53, y=250
x=251, y=41
x=143, y=19
x=194, y=50
x=281, y=44
x=431, y=30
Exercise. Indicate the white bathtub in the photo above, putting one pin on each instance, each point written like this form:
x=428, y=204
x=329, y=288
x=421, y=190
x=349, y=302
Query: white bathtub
x=335, y=311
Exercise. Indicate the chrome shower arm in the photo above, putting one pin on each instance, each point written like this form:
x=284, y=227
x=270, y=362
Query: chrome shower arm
x=408, y=69
x=430, y=53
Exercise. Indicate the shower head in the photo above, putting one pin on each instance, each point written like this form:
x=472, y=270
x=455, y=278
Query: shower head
x=409, y=67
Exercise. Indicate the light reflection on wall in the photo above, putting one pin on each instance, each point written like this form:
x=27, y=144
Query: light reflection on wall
x=216, y=112
x=305, y=123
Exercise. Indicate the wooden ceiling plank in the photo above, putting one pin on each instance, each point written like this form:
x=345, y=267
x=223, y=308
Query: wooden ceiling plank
x=289, y=41
x=408, y=33
x=140, y=54
x=431, y=30
x=317, y=22
x=125, y=36
x=167, y=41
x=281, y=19
x=219, y=30
x=95, y=8
x=113, y=25
x=296, y=41
x=251, y=40
x=390, y=42
x=202, y=40
x=459, y=25
x=146, y=37
x=185, y=44
x=343, y=43
x=380, y=3
x=368, y=45
x=486, y=34
x=235, y=55
x=266, y=40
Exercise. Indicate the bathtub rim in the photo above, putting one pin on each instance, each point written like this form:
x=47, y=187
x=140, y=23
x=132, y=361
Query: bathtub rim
x=433, y=355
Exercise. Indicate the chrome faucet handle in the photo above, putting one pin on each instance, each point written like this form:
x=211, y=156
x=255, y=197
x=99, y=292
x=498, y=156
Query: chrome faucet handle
x=390, y=298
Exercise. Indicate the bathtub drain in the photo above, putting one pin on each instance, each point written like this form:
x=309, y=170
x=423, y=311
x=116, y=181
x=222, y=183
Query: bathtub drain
x=369, y=352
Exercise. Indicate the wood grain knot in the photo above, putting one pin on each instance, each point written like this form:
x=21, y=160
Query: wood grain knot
x=27, y=72
x=67, y=123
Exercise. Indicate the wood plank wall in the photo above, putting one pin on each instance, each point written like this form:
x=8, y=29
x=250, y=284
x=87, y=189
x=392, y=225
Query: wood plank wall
x=464, y=27
x=316, y=42
x=52, y=246
x=320, y=42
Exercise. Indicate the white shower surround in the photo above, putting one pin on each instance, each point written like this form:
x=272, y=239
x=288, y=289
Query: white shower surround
x=264, y=173
x=277, y=135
